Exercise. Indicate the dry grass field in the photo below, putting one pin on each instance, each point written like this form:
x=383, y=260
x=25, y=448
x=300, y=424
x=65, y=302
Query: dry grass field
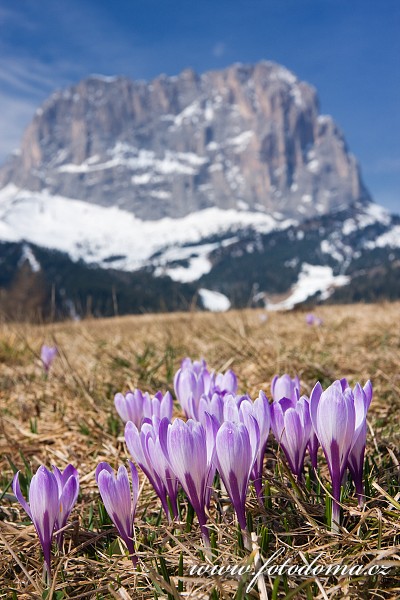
x=70, y=417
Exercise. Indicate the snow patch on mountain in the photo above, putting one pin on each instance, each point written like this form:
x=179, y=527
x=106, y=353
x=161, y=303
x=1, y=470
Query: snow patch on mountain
x=312, y=279
x=123, y=155
x=114, y=238
x=28, y=256
x=369, y=214
x=389, y=238
x=214, y=301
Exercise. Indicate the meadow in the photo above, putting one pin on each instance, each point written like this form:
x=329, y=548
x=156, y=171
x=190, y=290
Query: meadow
x=69, y=417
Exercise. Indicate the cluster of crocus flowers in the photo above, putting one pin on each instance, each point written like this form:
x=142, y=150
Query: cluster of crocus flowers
x=137, y=406
x=334, y=419
x=195, y=387
x=224, y=433
x=52, y=495
x=228, y=433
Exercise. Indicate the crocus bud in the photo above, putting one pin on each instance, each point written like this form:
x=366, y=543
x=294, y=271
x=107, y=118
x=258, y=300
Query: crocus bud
x=333, y=417
x=43, y=507
x=235, y=457
x=291, y=425
x=119, y=503
x=285, y=387
x=189, y=449
x=144, y=447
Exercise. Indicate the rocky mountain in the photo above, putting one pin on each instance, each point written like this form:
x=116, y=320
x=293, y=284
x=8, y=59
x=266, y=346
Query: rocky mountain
x=248, y=137
x=215, y=190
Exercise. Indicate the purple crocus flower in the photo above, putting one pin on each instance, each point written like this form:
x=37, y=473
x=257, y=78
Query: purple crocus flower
x=239, y=409
x=196, y=365
x=47, y=355
x=136, y=406
x=362, y=401
x=43, y=507
x=312, y=319
x=144, y=446
x=68, y=489
x=213, y=406
x=333, y=417
x=189, y=448
x=285, y=387
x=118, y=500
x=235, y=457
x=224, y=383
x=191, y=381
x=291, y=425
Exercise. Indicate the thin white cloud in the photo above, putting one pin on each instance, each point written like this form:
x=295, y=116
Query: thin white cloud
x=386, y=165
x=16, y=113
x=26, y=76
x=219, y=49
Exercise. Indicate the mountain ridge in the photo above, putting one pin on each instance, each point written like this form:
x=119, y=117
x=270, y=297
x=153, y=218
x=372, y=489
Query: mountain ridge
x=248, y=135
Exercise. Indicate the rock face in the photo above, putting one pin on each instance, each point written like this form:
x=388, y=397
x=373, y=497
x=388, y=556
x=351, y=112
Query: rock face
x=248, y=137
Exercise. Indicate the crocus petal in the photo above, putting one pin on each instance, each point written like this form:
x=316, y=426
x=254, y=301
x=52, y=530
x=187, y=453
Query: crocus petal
x=356, y=462
x=101, y=467
x=67, y=500
x=166, y=406
x=121, y=407
x=314, y=401
x=278, y=409
x=229, y=382
x=262, y=413
x=17, y=491
x=135, y=485
x=231, y=409
x=368, y=392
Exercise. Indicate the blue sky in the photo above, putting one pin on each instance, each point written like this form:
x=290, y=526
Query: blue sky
x=348, y=49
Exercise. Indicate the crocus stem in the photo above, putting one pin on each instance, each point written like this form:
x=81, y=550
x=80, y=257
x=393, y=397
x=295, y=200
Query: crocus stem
x=206, y=541
x=258, y=486
x=335, y=506
x=360, y=495
x=47, y=574
x=247, y=540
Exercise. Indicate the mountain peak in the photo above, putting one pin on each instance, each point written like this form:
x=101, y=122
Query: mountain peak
x=248, y=135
